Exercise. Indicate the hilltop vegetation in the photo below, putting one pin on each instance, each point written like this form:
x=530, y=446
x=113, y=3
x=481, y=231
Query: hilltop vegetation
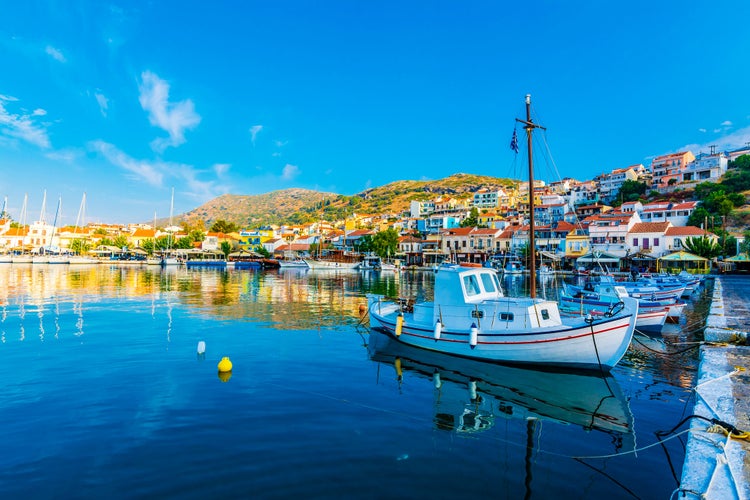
x=296, y=206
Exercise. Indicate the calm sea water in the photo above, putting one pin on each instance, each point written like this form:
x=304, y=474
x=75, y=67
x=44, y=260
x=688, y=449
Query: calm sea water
x=104, y=395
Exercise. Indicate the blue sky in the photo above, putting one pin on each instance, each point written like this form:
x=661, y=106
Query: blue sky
x=127, y=100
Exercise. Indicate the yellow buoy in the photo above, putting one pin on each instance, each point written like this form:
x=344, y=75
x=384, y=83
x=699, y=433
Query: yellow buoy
x=225, y=365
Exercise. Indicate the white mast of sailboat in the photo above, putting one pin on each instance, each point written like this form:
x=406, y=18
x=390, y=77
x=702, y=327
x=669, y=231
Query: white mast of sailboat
x=530, y=126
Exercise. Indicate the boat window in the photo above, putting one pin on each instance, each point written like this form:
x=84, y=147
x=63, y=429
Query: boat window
x=545, y=314
x=477, y=314
x=488, y=283
x=506, y=316
x=471, y=285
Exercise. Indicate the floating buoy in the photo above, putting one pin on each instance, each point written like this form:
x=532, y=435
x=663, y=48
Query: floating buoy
x=201, y=347
x=225, y=365
x=473, y=335
x=399, y=324
x=436, y=380
x=362, y=309
x=438, y=329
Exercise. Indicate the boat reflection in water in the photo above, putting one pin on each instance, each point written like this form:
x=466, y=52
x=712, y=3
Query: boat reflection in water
x=471, y=394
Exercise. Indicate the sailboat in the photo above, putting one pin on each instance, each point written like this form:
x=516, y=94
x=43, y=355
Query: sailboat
x=21, y=255
x=77, y=231
x=168, y=259
x=470, y=317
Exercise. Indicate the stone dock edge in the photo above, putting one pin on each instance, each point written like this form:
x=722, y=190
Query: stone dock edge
x=718, y=467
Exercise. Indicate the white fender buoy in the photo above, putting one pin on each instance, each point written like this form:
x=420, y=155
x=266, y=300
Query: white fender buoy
x=438, y=329
x=473, y=335
x=473, y=390
x=201, y=347
x=436, y=380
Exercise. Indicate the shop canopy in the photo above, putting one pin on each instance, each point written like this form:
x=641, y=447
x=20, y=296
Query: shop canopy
x=598, y=258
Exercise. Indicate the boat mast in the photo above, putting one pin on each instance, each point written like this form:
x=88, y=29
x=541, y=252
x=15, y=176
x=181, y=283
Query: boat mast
x=530, y=126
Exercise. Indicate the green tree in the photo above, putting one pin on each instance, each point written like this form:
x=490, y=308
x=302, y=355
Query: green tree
x=385, y=243
x=631, y=191
x=120, y=242
x=222, y=226
x=698, y=217
x=745, y=245
x=703, y=246
x=226, y=248
x=472, y=219
x=364, y=244
x=261, y=250
x=79, y=246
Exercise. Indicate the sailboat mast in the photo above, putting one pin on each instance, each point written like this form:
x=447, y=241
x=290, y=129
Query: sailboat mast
x=530, y=126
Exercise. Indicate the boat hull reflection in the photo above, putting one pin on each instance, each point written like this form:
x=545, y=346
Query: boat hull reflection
x=480, y=391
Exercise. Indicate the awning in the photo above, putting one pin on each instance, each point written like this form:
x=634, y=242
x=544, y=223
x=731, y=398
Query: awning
x=598, y=257
x=549, y=255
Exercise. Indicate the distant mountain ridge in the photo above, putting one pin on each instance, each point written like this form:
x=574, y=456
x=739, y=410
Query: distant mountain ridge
x=296, y=206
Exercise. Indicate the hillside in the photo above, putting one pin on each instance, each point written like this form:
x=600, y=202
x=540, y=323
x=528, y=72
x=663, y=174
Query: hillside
x=301, y=205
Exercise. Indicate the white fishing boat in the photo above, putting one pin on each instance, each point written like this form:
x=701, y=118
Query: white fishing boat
x=601, y=297
x=292, y=263
x=470, y=317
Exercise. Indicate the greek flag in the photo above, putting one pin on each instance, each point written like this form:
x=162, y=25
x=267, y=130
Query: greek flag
x=514, y=142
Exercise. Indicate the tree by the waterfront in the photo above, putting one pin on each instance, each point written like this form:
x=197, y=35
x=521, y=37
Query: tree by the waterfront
x=703, y=247
x=385, y=243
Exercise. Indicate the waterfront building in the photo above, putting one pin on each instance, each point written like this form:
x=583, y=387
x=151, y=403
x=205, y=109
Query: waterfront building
x=610, y=184
x=705, y=167
x=608, y=231
x=666, y=170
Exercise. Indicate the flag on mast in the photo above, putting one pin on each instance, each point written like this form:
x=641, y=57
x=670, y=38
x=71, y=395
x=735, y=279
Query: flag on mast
x=514, y=141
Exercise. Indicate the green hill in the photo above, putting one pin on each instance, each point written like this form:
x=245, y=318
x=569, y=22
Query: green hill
x=295, y=206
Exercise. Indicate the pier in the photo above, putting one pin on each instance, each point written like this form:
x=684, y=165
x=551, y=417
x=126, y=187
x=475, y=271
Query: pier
x=717, y=466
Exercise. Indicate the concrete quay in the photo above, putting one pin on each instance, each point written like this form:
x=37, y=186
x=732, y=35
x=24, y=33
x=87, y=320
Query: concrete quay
x=717, y=466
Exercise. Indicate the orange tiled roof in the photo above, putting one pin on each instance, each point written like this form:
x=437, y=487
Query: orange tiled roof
x=651, y=227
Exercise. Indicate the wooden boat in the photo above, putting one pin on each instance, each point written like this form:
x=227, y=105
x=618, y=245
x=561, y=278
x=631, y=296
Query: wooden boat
x=470, y=317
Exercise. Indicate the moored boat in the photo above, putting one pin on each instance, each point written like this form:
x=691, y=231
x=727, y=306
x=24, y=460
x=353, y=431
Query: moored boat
x=470, y=317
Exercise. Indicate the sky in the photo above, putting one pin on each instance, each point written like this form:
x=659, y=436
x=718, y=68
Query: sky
x=126, y=101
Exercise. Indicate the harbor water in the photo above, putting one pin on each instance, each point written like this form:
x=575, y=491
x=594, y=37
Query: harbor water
x=105, y=395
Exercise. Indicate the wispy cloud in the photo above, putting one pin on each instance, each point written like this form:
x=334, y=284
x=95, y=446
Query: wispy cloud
x=55, y=54
x=68, y=155
x=703, y=130
x=23, y=125
x=290, y=172
x=154, y=173
x=735, y=140
x=254, y=132
x=172, y=117
x=140, y=169
x=103, y=102
x=221, y=169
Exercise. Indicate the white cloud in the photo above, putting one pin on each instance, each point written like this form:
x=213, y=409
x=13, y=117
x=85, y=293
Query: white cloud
x=280, y=144
x=64, y=155
x=702, y=130
x=735, y=140
x=22, y=126
x=55, y=54
x=173, y=117
x=290, y=172
x=155, y=172
x=254, y=132
x=103, y=102
x=141, y=169
x=726, y=123
x=39, y=112
x=221, y=169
